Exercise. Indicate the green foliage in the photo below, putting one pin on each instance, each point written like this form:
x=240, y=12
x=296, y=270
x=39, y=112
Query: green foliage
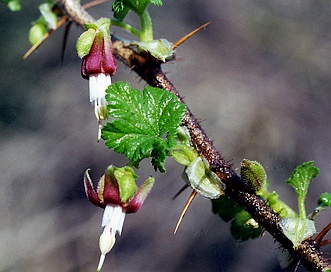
x=242, y=225
x=281, y=208
x=13, y=5
x=298, y=229
x=226, y=208
x=300, y=180
x=47, y=21
x=37, y=32
x=144, y=124
x=122, y=7
x=160, y=49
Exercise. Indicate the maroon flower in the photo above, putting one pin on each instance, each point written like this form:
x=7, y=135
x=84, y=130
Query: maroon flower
x=118, y=194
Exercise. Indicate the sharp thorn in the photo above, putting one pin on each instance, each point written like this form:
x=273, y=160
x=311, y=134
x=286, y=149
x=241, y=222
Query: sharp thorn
x=183, y=39
x=187, y=204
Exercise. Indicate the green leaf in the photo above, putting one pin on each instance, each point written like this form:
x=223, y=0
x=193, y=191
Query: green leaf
x=282, y=209
x=242, y=226
x=225, y=207
x=242, y=229
x=122, y=7
x=299, y=180
x=37, y=32
x=144, y=125
x=13, y=5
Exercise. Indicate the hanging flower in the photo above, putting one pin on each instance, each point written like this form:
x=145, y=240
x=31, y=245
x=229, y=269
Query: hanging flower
x=118, y=194
x=94, y=46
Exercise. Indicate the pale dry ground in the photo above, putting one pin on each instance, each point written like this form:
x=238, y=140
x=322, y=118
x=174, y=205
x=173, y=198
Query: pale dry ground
x=259, y=77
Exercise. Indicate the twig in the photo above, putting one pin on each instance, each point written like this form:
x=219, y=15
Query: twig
x=149, y=69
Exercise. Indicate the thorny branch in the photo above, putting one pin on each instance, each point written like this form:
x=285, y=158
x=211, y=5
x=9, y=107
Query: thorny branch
x=150, y=70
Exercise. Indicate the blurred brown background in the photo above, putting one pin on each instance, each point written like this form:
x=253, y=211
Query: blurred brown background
x=259, y=79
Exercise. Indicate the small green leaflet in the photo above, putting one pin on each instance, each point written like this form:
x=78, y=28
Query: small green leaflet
x=299, y=229
x=122, y=7
x=144, y=124
x=299, y=180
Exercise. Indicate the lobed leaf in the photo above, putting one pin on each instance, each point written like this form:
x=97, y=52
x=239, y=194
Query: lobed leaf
x=144, y=125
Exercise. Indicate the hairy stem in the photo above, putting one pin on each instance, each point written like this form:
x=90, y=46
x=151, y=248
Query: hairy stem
x=150, y=70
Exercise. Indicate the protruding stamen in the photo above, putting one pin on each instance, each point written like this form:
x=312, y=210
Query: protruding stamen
x=106, y=243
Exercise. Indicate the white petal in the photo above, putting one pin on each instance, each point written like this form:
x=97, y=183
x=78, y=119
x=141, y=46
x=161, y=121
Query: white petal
x=93, y=88
x=113, y=217
x=103, y=81
x=98, y=85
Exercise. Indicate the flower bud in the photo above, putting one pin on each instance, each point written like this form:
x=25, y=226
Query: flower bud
x=253, y=175
x=37, y=32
